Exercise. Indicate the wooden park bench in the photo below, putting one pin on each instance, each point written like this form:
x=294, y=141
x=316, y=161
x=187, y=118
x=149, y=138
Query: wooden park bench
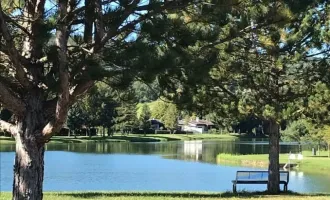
x=258, y=177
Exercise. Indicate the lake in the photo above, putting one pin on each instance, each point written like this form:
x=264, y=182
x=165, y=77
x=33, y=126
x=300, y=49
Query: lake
x=162, y=166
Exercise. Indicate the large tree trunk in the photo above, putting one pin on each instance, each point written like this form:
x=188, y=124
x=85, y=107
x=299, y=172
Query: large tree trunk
x=29, y=159
x=28, y=170
x=274, y=164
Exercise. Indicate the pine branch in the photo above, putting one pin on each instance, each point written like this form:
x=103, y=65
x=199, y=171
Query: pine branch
x=231, y=94
x=80, y=90
x=132, y=8
x=244, y=31
x=88, y=22
x=83, y=8
x=13, y=54
x=99, y=26
x=62, y=106
x=12, y=21
x=10, y=100
x=115, y=30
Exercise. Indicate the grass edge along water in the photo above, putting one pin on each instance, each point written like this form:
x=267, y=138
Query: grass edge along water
x=88, y=195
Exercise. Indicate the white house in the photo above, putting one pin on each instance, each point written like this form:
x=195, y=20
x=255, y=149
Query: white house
x=196, y=126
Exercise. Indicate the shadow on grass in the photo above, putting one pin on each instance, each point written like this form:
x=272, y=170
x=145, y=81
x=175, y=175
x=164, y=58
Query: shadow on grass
x=317, y=157
x=180, y=195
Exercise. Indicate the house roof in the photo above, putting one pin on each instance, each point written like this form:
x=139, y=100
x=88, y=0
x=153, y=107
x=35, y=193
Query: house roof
x=203, y=122
x=195, y=122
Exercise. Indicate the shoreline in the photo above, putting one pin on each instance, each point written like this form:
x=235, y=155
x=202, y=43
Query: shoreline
x=132, y=138
x=88, y=195
x=309, y=164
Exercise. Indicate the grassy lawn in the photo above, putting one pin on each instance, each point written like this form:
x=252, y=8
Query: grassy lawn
x=312, y=164
x=131, y=138
x=171, y=195
x=6, y=140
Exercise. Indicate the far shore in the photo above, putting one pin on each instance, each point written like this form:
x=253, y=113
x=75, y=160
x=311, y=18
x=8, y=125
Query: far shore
x=132, y=138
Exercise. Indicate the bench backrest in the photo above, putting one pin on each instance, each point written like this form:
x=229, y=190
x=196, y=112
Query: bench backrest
x=259, y=175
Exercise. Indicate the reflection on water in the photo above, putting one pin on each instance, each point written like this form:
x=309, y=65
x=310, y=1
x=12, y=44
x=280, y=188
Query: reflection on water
x=151, y=166
x=213, y=147
x=193, y=149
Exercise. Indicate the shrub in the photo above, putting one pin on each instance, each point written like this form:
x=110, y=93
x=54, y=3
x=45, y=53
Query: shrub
x=300, y=130
x=163, y=132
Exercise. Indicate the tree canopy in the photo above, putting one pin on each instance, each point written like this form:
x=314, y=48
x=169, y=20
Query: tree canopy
x=234, y=58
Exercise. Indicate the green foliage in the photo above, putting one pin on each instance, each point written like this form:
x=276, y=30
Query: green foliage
x=166, y=112
x=97, y=109
x=318, y=103
x=158, y=109
x=126, y=117
x=144, y=117
x=326, y=133
x=170, y=117
x=260, y=73
x=300, y=130
x=269, y=112
x=10, y=6
x=145, y=112
x=146, y=93
x=79, y=115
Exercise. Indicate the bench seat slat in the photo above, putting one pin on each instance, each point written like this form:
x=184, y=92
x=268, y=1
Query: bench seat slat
x=255, y=182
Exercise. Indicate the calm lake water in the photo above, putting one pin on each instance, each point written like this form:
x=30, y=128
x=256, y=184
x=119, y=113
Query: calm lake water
x=168, y=166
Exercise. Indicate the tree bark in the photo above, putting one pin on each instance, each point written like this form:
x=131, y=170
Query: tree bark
x=274, y=163
x=28, y=170
x=29, y=159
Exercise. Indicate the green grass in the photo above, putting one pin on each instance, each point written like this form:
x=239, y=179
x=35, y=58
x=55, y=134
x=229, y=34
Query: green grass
x=309, y=164
x=171, y=195
x=131, y=138
x=6, y=140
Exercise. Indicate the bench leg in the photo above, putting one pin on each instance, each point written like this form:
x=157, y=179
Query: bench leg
x=285, y=187
x=234, y=188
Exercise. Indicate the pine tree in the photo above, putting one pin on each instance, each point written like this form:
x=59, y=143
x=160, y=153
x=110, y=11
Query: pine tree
x=145, y=117
x=265, y=53
x=266, y=67
x=170, y=117
x=125, y=119
x=47, y=64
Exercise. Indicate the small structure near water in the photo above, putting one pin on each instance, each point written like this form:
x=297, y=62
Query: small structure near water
x=196, y=126
x=294, y=161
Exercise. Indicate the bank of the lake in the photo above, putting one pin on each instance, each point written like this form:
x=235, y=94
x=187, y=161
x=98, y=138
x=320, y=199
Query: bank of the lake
x=152, y=166
x=170, y=195
x=309, y=164
x=132, y=138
